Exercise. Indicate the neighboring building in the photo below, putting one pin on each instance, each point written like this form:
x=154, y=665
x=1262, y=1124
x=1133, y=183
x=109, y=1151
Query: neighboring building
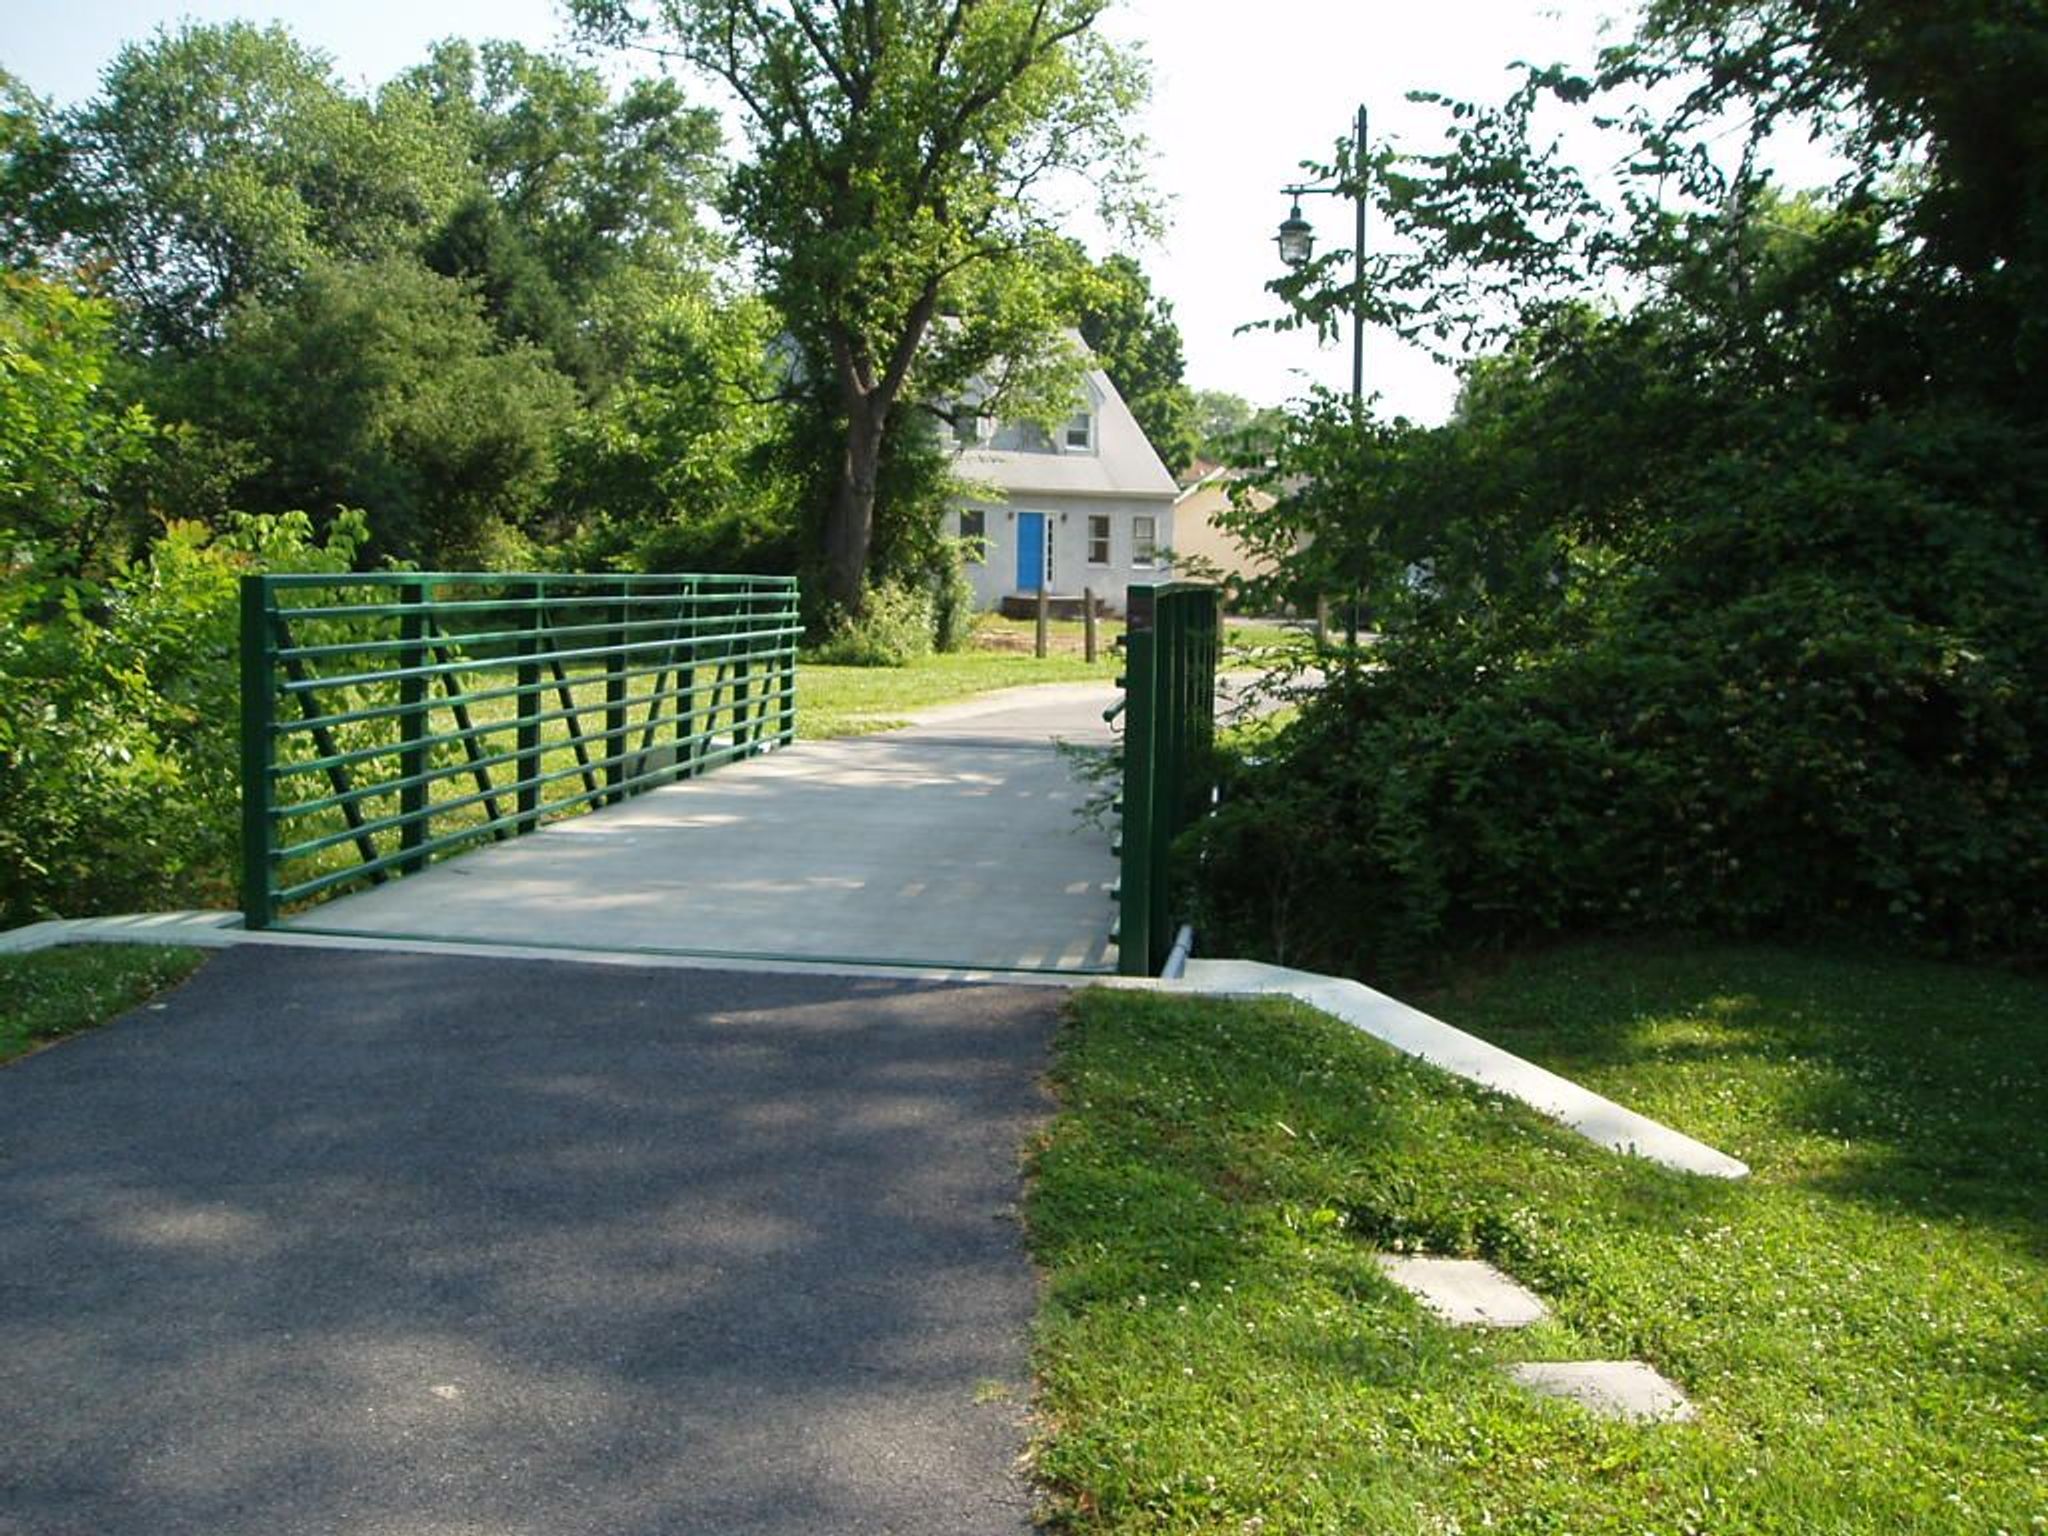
x=1200, y=541
x=1089, y=506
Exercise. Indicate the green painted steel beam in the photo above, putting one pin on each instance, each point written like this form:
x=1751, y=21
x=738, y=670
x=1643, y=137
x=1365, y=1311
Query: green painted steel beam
x=1169, y=712
x=723, y=672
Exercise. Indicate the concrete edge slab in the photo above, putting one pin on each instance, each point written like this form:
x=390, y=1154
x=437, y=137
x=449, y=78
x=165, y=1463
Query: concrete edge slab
x=1415, y=1033
x=46, y=935
x=1467, y=1293
x=1615, y=1389
x=223, y=930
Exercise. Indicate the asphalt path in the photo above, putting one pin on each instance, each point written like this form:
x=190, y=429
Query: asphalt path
x=347, y=1243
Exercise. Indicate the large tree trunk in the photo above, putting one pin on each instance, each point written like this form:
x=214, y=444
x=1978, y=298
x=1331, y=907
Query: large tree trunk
x=868, y=395
x=850, y=521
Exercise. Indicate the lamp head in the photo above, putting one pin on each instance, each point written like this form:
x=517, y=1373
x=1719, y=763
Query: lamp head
x=1297, y=239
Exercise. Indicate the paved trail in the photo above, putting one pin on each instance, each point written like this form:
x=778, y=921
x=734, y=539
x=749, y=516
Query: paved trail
x=955, y=842
x=347, y=1243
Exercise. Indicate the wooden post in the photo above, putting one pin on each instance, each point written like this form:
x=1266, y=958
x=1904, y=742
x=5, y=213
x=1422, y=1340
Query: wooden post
x=1322, y=622
x=1088, y=624
x=1044, y=620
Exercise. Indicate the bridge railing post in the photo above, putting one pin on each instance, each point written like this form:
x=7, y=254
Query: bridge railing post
x=1169, y=722
x=259, y=715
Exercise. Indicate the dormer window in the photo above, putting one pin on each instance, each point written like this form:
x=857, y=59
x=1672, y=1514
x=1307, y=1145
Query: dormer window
x=1078, y=435
x=968, y=425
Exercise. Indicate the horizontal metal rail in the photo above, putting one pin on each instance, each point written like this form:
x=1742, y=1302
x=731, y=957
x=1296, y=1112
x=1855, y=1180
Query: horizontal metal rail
x=462, y=706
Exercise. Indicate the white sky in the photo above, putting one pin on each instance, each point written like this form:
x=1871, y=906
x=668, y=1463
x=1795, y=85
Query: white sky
x=1243, y=91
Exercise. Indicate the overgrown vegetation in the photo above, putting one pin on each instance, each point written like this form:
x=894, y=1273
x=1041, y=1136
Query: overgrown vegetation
x=56, y=992
x=1858, y=1323
x=482, y=317
x=1722, y=602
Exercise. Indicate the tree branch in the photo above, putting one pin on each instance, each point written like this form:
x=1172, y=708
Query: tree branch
x=806, y=23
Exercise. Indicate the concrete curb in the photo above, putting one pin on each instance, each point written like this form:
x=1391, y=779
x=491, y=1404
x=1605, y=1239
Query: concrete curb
x=26, y=941
x=224, y=930
x=1415, y=1033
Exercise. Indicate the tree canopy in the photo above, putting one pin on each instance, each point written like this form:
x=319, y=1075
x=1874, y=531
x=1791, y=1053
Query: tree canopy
x=901, y=163
x=1720, y=601
x=1133, y=335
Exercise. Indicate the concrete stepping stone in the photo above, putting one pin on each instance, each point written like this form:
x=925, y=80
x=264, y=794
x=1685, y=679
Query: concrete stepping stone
x=1468, y=1292
x=1614, y=1389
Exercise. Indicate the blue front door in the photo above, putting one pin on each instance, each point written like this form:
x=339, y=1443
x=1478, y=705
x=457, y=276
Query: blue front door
x=1030, y=551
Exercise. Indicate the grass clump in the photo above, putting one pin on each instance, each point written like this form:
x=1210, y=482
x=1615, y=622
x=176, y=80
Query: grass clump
x=1859, y=1324
x=56, y=992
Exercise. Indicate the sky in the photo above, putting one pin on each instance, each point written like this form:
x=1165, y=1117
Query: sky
x=1243, y=92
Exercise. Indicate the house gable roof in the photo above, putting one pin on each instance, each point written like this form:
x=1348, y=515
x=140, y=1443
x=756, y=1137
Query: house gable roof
x=1122, y=463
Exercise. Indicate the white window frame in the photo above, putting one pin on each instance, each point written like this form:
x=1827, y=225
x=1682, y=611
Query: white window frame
x=1101, y=521
x=1144, y=541
x=1086, y=418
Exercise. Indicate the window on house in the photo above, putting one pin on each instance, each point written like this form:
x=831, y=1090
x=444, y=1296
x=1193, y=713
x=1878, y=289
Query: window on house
x=974, y=534
x=1144, y=541
x=966, y=426
x=1080, y=432
x=1098, y=540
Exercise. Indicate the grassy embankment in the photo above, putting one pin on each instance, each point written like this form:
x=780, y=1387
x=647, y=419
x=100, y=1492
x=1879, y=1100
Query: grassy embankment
x=52, y=993
x=1863, y=1324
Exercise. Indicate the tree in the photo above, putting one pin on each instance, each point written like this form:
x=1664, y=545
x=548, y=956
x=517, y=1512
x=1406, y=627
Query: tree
x=1219, y=414
x=27, y=168
x=1720, y=601
x=65, y=441
x=382, y=386
x=684, y=466
x=583, y=210
x=217, y=163
x=901, y=158
x=1133, y=335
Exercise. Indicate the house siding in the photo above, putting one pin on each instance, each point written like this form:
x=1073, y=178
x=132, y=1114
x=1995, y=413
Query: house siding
x=1200, y=536
x=1070, y=571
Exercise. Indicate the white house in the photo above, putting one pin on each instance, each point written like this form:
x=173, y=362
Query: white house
x=1088, y=507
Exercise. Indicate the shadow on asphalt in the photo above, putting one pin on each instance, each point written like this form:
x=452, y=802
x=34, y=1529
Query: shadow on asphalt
x=358, y=1243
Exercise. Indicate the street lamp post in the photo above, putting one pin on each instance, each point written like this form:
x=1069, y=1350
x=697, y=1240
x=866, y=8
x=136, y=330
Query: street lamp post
x=1297, y=241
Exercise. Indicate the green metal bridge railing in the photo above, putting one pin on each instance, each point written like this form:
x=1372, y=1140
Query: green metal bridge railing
x=1169, y=713
x=393, y=717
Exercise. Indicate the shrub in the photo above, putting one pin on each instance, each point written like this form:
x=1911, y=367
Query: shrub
x=895, y=629
x=953, y=600
x=119, y=766
x=1813, y=706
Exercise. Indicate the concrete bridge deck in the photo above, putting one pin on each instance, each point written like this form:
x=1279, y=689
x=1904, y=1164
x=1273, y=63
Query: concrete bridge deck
x=957, y=841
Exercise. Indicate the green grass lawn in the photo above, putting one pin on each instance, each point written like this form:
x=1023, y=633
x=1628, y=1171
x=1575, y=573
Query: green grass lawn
x=852, y=701
x=56, y=992
x=1863, y=1325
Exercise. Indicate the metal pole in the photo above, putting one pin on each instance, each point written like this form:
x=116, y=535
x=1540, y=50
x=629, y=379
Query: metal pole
x=414, y=729
x=1357, y=324
x=1358, y=275
x=258, y=716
